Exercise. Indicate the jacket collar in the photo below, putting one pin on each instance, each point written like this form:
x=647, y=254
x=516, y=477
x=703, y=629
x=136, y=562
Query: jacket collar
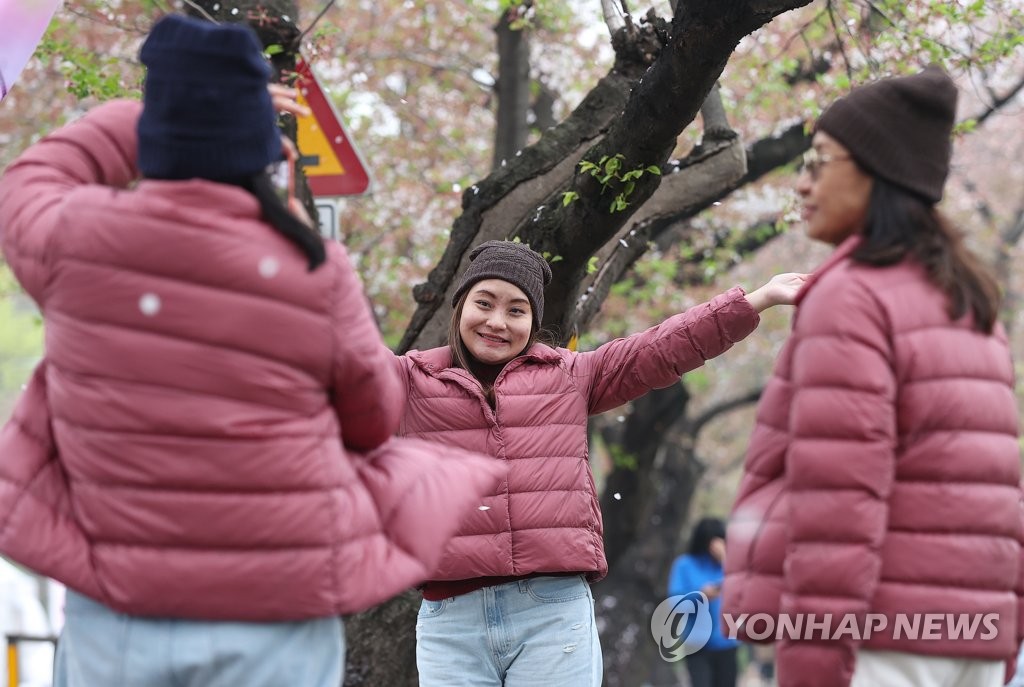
x=191, y=195
x=437, y=360
x=840, y=254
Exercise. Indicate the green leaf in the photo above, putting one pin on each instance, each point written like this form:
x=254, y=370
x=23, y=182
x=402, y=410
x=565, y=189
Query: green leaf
x=592, y=265
x=273, y=49
x=568, y=197
x=654, y=169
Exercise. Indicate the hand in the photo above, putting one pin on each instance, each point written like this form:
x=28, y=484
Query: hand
x=299, y=210
x=780, y=290
x=712, y=591
x=717, y=549
x=286, y=100
x=291, y=154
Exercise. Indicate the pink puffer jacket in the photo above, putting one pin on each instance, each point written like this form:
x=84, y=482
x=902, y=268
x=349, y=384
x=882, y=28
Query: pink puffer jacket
x=544, y=517
x=192, y=445
x=882, y=478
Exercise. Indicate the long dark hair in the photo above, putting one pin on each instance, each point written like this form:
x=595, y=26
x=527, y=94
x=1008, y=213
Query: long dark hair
x=277, y=215
x=900, y=223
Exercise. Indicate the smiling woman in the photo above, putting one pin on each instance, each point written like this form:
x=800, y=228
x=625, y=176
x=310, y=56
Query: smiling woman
x=529, y=552
x=499, y=307
x=495, y=321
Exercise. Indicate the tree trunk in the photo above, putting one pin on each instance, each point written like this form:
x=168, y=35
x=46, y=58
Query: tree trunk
x=513, y=87
x=644, y=513
x=381, y=644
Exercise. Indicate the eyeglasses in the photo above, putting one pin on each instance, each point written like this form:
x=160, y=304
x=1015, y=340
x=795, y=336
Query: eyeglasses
x=813, y=161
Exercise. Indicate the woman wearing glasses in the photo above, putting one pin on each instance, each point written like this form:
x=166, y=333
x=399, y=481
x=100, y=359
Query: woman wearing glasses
x=881, y=481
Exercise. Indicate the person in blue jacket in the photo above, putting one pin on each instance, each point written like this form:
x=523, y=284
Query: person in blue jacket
x=700, y=570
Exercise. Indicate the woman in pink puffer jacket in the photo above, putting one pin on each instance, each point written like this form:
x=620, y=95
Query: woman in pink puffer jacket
x=510, y=604
x=879, y=511
x=204, y=457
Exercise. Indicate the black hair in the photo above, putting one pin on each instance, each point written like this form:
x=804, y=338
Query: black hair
x=281, y=218
x=901, y=223
x=704, y=531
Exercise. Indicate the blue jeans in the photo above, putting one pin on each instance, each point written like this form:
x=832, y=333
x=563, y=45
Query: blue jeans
x=538, y=631
x=100, y=647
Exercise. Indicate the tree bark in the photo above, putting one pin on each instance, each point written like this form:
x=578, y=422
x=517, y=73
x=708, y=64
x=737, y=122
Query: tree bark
x=381, y=644
x=513, y=86
x=644, y=511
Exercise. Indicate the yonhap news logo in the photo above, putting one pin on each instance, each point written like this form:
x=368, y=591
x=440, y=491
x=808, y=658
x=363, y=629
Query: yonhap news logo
x=681, y=625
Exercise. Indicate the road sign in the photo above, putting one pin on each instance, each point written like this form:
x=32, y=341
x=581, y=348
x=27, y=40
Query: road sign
x=327, y=212
x=330, y=159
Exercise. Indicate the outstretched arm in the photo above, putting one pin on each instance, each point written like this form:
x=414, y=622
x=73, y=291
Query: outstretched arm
x=625, y=369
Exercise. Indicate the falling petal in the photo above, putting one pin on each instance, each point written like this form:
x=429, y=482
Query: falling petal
x=149, y=304
x=269, y=267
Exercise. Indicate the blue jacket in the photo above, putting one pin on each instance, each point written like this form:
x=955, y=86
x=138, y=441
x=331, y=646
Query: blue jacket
x=691, y=574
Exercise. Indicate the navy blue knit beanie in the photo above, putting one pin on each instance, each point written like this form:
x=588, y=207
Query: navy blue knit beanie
x=206, y=109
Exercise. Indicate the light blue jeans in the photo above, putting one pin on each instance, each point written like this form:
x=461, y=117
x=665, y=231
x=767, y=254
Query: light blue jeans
x=539, y=631
x=101, y=648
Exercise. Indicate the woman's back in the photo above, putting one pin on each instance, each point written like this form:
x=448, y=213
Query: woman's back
x=205, y=394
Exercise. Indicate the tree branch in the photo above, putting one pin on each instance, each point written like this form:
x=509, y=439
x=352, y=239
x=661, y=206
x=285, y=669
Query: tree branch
x=647, y=105
x=712, y=114
x=999, y=102
x=698, y=423
x=688, y=192
x=613, y=19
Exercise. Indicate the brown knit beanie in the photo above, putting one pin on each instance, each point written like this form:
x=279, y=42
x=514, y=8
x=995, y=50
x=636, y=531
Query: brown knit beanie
x=899, y=129
x=513, y=262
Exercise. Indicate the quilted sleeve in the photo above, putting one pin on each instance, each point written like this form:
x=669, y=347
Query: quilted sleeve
x=37, y=189
x=628, y=368
x=840, y=470
x=368, y=389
